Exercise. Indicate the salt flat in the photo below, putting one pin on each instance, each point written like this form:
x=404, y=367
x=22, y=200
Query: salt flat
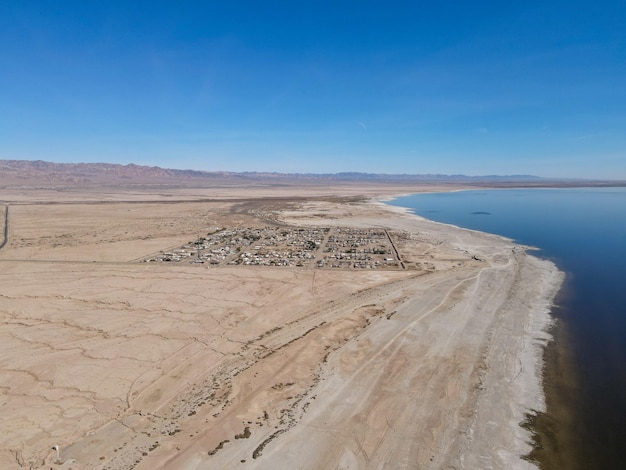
x=125, y=364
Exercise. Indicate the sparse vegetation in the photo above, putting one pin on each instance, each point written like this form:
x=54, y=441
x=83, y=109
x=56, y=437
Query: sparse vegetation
x=245, y=434
x=219, y=447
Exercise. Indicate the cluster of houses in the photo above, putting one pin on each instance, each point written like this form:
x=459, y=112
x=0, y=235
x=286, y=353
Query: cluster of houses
x=358, y=248
x=336, y=247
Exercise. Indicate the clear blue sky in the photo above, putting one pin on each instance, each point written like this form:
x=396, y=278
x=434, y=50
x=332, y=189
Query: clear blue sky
x=472, y=87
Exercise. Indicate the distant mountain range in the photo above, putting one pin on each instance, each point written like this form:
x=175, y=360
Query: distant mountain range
x=88, y=172
x=429, y=177
x=25, y=170
x=28, y=172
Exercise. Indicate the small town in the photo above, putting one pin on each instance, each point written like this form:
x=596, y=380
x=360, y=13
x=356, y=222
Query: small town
x=324, y=247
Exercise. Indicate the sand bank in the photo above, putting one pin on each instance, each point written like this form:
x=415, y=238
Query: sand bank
x=126, y=365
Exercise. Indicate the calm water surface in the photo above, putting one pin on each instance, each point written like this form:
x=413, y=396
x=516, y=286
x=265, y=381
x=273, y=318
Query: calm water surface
x=584, y=232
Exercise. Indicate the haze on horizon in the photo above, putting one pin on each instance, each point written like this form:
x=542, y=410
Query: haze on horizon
x=405, y=87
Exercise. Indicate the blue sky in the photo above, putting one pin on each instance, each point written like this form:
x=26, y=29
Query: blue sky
x=390, y=87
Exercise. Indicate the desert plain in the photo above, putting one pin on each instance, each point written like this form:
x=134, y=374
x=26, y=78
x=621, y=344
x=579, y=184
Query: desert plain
x=429, y=362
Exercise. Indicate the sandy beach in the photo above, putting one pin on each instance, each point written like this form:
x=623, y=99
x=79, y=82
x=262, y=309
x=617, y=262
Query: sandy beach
x=126, y=364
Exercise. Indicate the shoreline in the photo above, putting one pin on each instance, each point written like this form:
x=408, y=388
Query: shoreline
x=530, y=416
x=530, y=396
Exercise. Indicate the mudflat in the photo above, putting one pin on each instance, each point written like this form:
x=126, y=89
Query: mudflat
x=123, y=363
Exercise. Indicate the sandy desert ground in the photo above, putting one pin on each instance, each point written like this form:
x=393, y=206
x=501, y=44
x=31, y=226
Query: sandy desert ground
x=125, y=364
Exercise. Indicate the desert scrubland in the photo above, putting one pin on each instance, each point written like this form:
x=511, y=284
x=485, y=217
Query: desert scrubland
x=127, y=364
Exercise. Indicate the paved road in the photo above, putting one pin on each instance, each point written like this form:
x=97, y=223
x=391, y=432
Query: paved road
x=395, y=250
x=6, y=227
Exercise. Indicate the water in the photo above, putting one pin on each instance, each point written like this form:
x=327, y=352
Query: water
x=583, y=231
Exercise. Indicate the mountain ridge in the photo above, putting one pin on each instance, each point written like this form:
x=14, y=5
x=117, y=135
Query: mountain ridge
x=86, y=172
x=40, y=172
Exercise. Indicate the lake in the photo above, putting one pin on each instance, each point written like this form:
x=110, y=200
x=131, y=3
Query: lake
x=583, y=231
